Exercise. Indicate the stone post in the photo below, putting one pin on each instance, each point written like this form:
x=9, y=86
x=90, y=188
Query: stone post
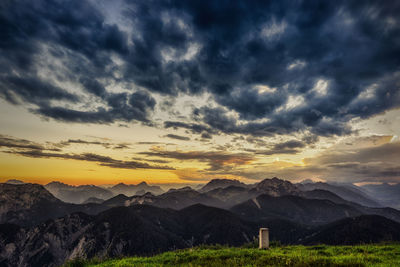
x=264, y=238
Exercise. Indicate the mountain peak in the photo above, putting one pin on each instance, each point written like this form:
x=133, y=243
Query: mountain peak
x=14, y=181
x=276, y=187
x=186, y=188
x=345, y=192
x=132, y=189
x=221, y=183
x=24, y=195
x=216, y=181
x=306, y=181
x=56, y=183
x=273, y=181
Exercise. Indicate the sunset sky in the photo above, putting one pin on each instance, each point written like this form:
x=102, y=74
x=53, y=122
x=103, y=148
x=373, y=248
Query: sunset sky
x=102, y=92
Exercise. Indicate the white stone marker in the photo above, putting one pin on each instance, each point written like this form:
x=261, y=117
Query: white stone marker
x=264, y=238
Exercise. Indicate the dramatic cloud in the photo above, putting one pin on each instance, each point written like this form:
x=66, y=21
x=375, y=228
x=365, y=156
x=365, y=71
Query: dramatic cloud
x=77, y=48
x=122, y=107
x=240, y=81
x=361, y=164
x=31, y=149
x=16, y=143
x=216, y=160
x=192, y=127
x=296, y=66
x=101, y=160
x=289, y=147
x=86, y=142
x=369, y=159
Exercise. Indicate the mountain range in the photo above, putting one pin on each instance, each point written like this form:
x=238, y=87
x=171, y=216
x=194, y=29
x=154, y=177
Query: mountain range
x=31, y=204
x=39, y=229
x=77, y=194
x=387, y=194
x=130, y=190
x=82, y=193
x=345, y=191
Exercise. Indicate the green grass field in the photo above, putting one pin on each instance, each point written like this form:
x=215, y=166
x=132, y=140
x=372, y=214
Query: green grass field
x=362, y=255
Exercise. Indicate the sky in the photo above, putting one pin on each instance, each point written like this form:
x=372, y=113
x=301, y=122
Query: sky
x=102, y=92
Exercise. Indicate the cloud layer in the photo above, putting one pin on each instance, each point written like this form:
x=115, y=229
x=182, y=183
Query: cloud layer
x=271, y=67
x=267, y=78
x=26, y=148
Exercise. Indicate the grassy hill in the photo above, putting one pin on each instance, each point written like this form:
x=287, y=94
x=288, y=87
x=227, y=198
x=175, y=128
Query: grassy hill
x=322, y=255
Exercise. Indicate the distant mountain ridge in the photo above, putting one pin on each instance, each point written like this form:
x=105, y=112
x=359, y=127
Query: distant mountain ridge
x=93, y=200
x=230, y=191
x=388, y=194
x=174, y=199
x=31, y=204
x=324, y=194
x=223, y=197
x=221, y=183
x=348, y=193
x=130, y=190
x=294, y=208
x=231, y=195
x=77, y=194
x=14, y=181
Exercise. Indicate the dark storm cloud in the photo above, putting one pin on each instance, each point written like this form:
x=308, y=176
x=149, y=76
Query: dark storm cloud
x=250, y=104
x=206, y=136
x=282, y=124
x=78, y=36
x=290, y=144
x=32, y=89
x=121, y=106
x=310, y=139
x=289, y=47
x=252, y=57
x=93, y=87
